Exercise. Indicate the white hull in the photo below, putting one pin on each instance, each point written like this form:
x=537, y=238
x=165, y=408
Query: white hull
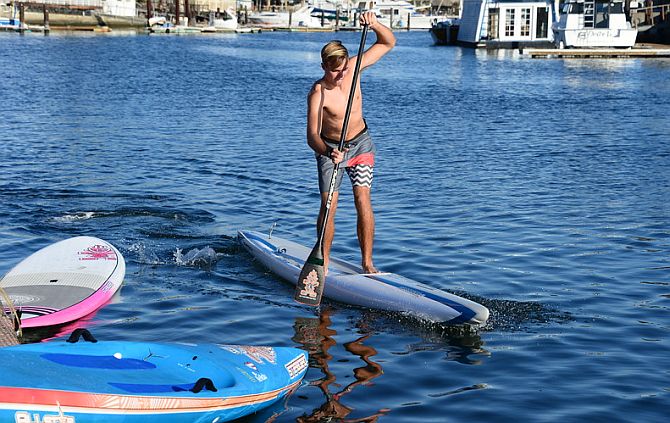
x=595, y=37
x=298, y=19
x=414, y=21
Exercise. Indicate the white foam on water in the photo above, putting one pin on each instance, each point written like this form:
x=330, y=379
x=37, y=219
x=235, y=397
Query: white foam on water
x=75, y=217
x=196, y=256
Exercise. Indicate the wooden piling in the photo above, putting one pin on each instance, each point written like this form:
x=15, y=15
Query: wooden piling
x=22, y=18
x=46, y=19
x=149, y=12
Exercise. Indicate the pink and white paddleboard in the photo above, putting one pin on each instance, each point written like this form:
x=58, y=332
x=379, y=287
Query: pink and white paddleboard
x=65, y=281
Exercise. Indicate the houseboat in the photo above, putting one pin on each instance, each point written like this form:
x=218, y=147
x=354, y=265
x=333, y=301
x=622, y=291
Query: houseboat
x=593, y=23
x=506, y=24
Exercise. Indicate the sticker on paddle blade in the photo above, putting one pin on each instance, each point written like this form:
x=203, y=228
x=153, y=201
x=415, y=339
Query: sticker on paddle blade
x=310, y=286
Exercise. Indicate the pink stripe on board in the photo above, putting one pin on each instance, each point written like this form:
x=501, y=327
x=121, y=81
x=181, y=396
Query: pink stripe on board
x=81, y=309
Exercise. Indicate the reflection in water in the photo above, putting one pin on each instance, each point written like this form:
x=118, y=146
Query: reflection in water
x=317, y=338
x=462, y=343
x=47, y=333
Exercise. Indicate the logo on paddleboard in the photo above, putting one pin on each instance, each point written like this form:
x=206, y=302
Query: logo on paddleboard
x=257, y=354
x=98, y=252
x=21, y=299
x=296, y=366
x=25, y=417
x=311, y=282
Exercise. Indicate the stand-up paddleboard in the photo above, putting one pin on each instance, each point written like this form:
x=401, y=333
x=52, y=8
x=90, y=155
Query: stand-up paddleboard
x=110, y=382
x=347, y=284
x=64, y=281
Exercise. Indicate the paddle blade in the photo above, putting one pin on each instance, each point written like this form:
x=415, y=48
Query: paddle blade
x=311, y=280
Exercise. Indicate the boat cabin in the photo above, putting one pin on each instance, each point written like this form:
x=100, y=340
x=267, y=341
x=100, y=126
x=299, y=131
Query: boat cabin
x=593, y=23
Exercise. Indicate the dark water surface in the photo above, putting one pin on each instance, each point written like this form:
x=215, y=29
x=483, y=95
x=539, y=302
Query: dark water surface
x=540, y=188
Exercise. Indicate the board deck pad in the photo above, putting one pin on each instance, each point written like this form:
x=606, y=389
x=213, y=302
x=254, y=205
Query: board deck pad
x=347, y=283
x=64, y=281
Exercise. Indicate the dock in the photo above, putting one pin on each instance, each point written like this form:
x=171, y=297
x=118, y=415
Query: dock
x=571, y=53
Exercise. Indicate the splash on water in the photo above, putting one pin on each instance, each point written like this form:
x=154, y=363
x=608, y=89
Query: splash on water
x=196, y=257
x=142, y=256
x=74, y=217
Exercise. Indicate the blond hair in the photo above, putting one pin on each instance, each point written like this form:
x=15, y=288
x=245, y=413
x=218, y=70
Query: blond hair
x=333, y=54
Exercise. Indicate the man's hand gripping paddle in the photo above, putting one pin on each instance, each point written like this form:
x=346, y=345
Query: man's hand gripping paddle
x=313, y=276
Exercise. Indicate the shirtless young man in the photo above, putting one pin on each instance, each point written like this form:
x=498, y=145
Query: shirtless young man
x=326, y=108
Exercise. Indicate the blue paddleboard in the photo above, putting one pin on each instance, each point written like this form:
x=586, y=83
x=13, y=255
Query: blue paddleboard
x=138, y=382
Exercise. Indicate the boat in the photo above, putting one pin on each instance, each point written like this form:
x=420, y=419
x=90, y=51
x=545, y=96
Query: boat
x=300, y=18
x=445, y=32
x=401, y=14
x=506, y=24
x=136, y=382
x=9, y=18
x=225, y=22
x=346, y=283
x=330, y=9
x=9, y=24
x=593, y=23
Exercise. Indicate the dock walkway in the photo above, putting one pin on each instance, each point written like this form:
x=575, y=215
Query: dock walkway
x=639, y=51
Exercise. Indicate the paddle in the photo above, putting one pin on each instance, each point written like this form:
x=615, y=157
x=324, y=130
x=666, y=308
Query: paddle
x=312, y=276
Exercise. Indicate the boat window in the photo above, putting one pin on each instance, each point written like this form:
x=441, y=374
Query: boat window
x=509, y=22
x=542, y=23
x=525, y=22
x=601, y=16
x=616, y=8
x=574, y=8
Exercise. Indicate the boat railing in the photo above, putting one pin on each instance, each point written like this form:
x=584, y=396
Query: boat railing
x=649, y=15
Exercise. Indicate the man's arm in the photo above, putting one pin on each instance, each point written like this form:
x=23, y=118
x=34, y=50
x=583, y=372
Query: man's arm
x=315, y=100
x=314, y=111
x=385, y=40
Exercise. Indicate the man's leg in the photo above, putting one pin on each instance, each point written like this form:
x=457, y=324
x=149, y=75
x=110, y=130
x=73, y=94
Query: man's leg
x=365, y=226
x=329, y=234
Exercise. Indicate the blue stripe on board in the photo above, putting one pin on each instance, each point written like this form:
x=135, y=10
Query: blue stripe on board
x=466, y=314
x=98, y=361
x=263, y=241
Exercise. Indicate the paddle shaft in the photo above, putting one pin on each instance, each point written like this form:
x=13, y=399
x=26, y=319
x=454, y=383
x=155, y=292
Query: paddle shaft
x=343, y=135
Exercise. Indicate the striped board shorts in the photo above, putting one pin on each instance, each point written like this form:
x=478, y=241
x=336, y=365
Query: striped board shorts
x=358, y=162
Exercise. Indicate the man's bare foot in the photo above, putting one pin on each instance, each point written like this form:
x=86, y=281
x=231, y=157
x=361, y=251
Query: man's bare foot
x=370, y=269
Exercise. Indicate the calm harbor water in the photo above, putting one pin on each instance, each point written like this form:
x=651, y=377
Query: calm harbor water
x=540, y=188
